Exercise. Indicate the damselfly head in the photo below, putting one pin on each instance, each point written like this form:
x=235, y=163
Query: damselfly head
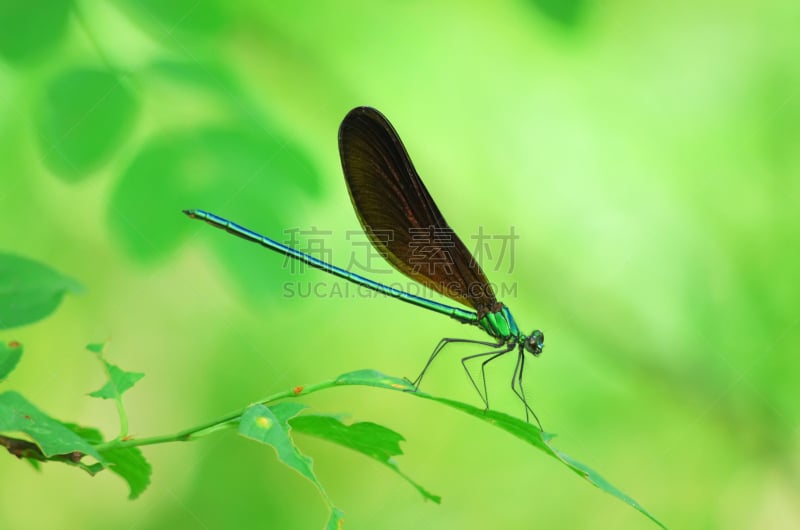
x=534, y=343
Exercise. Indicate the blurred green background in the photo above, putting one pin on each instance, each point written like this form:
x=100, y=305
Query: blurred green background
x=647, y=154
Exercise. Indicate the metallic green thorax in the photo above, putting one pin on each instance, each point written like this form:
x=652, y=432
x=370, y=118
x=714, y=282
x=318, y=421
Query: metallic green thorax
x=500, y=324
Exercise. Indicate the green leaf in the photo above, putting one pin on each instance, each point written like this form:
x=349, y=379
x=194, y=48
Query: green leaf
x=287, y=410
x=10, y=355
x=30, y=28
x=130, y=464
x=84, y=117
x=119, y=381
x=371, y=439
x=127, y=462
x=90, y=434
x=522, y=430
x=269, y=425
x=29, y=291
x=52, y=436
x=375, y=378
x=92, y=469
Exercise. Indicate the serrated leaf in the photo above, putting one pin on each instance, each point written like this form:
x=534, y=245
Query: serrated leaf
x=376, y=441
x=119, y=381
x=130, y=464
x=270, y=425
x=263, y=424
x=10, y=354
x=29, y=291
x=53, y=437
x=371, y=439
x=30, y=28
x=90, y=434
x=84, y=116
x=522, y=430
x=92, y=469
x=287, y=410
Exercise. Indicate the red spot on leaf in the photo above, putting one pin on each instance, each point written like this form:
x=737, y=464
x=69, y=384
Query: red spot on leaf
x=297, y=390
x=13, y=344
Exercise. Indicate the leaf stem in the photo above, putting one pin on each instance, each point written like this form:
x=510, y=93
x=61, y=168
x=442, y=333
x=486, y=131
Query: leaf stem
x=204, y=429
x=123, y=417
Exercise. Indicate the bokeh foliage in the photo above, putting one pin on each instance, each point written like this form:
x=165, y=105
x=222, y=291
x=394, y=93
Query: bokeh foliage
x=646, y=155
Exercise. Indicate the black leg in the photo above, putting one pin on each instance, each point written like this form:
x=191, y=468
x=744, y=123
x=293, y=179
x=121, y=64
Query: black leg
x=517, y=378
x=514, y=378
x=439, y=347
x=493, y=355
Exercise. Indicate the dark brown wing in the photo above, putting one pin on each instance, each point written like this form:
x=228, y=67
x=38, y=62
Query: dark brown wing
x=399, y=215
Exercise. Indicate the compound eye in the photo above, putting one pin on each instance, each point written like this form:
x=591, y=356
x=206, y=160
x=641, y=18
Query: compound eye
x=535, y=342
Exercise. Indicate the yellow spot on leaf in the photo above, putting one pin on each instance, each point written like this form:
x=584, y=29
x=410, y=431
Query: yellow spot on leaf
x=263, y=422
x=398, y=385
